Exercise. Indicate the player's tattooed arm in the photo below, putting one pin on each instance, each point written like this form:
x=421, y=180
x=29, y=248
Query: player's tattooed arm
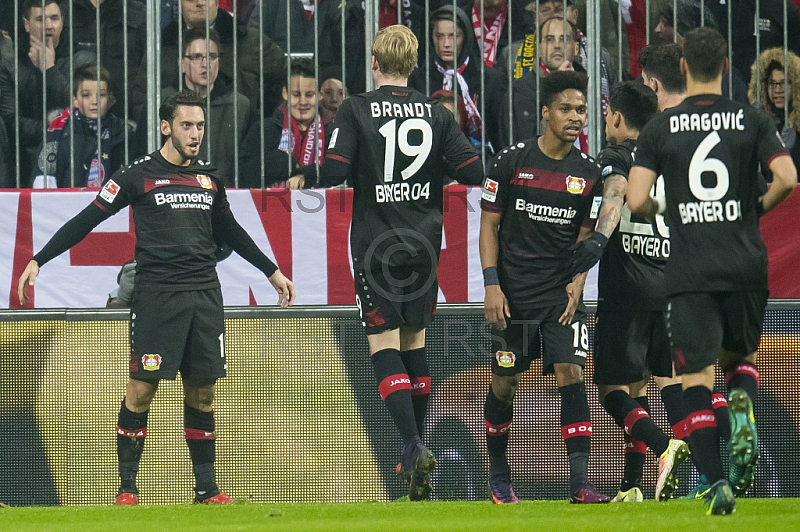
x=614, y=189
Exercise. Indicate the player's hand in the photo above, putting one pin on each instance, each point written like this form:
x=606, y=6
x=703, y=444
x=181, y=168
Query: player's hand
x=28, y=277
x=284, y=287
x=586, y=253
x=495, y=307
x=574, y=292
x=296, y=182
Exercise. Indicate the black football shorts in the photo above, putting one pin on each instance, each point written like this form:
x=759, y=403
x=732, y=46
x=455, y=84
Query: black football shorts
x=171, y=331
x=700, y=324
x=397, y=297
x=535, y=333
x=630, y=345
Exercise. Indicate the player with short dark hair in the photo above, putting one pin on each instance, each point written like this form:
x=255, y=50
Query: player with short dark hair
x=631, y=340
x=661, y=72
x=181, y=211
x=393, y=143
x=709, y=150
x=536, y=204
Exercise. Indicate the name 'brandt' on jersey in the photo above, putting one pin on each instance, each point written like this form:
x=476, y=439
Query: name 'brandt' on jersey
x=401, y=145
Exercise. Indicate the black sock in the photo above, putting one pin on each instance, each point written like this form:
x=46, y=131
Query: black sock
x=199, y=433
x=701, y=424
x=576, y=429
x=635, y=452
x=497, y=415
x=131, y=431
x=745, y=376
x=420, y=376
x=720, y=405
x=672, y=398
x=635, y=421
x=395, y=389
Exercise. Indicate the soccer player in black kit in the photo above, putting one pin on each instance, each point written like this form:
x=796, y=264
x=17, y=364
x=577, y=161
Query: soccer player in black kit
x=181, y=213
x=709, y=150
x=395, y=145
x=631, y=340
x=537, y=202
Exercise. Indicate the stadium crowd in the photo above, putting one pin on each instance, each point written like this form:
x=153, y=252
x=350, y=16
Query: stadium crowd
x=234, y=53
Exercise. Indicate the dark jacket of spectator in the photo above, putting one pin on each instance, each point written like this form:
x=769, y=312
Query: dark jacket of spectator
x=32, y=91
x=468, y=64
x=301, y=27
x=743, y=37
x=789, y=131
x=221, y=129
x=54, y=156
x=112, y=44
x=276, y=147
x=7, y=179
x=248, y=63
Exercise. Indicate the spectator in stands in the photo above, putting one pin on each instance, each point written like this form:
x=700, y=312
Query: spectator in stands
x=303, y=15
x=689, y=18
x=36, y=56
x=770, y=28
x=779, y=89
x=448, y=99
x=608, y=69
x=202, y=74
x=557, y=51
x=112, y=46
x=633, y=27
x=194, y=16
x=90, y=104
x=331, y=89
x=455, y=61
x=292, y=146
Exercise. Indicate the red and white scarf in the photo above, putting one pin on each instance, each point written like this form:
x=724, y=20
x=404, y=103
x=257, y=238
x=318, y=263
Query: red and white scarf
x=491, y=40
x=473, y=115
x=301, y=146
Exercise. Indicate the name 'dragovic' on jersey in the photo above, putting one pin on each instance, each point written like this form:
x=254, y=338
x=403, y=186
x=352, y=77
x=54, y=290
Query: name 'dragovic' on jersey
x=400, y=143
x=709, y=149
x=632, y=267
x=173, y=210
x=544, y=203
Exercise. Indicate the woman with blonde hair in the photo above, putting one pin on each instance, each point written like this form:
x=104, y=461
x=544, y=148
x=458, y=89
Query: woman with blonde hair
x=779, y=88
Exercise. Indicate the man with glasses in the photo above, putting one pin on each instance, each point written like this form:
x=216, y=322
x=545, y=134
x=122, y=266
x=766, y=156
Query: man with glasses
x=202, y=74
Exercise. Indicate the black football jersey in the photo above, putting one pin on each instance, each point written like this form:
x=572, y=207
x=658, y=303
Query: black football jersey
x=173, y=209
x=399, y=143
x=709, y=149
x=544, y=203
x=632, y=267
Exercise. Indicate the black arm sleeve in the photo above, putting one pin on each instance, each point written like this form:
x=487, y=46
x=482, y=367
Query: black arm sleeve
x=237, y=238
x=71, y=233
x=334, y=171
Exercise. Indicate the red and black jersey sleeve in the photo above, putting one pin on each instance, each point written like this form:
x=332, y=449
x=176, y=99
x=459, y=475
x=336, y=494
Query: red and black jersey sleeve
x=770, y=145
x=495, y=193
x=460, y=153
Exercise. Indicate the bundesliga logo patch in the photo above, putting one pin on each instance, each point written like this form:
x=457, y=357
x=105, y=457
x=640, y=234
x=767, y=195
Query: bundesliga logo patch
x=575, y=185
x=110, y=191
x=151, y=362
x=505, y=359
x=490, y=190
x=204, y=180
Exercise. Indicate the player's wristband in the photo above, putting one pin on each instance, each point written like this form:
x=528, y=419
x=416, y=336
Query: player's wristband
x=490, y=277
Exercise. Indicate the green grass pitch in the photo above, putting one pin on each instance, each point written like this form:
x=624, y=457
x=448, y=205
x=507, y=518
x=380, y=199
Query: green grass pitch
x=537, y=516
